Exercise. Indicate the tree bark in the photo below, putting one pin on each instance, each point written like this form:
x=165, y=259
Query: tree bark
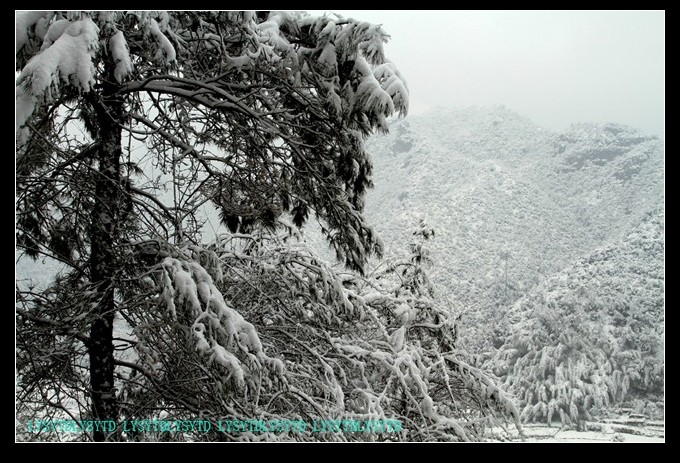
x=103, y=237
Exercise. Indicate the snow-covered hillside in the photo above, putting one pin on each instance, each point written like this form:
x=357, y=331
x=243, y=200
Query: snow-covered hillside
x=591, y=336
x=511, y=202
x=521, y=212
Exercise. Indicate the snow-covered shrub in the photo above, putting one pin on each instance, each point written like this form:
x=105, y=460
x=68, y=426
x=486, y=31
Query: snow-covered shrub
x=286, y=335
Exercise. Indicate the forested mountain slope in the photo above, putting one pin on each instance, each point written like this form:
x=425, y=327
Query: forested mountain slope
x=511, y=203
x=591, y=335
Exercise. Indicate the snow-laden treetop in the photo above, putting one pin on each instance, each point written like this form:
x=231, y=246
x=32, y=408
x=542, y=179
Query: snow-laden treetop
x=60, y=49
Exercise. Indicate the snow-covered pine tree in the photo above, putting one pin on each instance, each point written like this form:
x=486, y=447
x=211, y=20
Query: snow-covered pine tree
x=127, y=124
x=263, y=114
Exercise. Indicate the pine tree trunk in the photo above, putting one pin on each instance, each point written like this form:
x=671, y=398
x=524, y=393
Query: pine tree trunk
x=103, y=237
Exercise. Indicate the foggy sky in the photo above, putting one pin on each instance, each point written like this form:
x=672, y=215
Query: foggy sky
x=555, y=67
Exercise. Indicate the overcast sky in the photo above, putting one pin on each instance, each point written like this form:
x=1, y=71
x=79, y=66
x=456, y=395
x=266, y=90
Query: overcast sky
x=555, y=67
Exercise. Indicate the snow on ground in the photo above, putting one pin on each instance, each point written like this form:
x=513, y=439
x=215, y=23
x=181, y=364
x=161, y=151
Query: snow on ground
x=603, y=432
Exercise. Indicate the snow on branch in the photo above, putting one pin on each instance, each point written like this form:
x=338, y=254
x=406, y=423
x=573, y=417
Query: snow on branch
x=23, y=22
x=219, y=332
x=271, y=30
x=121, y=56
x=394, y=85
x=67, y=60
x=166, y=51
